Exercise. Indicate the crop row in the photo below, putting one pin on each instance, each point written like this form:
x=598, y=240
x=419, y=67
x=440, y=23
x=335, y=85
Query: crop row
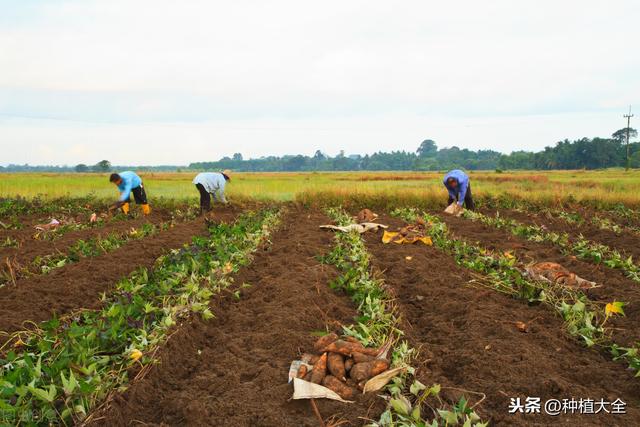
x=92, y=247
x=509, y=201
x=602, y=219
x=505, y=273
x=68, y=207
x=378, y=324
x=580, y=247
x=12, y=207
x=60, y=370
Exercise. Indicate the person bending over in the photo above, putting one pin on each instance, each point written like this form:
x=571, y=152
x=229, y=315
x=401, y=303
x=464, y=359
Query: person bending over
x=129, y=182
x=211, y=184
x=459, y=188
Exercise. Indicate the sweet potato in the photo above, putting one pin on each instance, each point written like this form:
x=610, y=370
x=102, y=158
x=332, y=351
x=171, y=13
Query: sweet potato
x=343, y=390
x=308, y=376
x=302, y=371
x=324, y=341
x=309, y=358
x=359, y=357
x=348, y=363
x=335, y=363
x=347, y=348
x=319, y=369
x=365, y=370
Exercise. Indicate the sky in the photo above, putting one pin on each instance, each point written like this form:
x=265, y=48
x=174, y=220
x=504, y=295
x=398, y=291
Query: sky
x=149, y=82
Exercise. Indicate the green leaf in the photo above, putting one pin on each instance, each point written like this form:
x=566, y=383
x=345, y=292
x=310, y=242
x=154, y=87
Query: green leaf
x=588, y=341
x=434, y=390
x=400, y=405
x=448, y=416
x=415, y=414
x=43, y=394
x=70, y=384
x=578, y=307
x=416, y=387
x=37, y=370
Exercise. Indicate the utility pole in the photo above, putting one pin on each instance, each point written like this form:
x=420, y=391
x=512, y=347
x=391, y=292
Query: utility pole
x=628, y=117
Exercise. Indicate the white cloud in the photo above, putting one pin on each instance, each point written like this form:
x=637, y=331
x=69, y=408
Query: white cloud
x=183, y=143
x=128, y=71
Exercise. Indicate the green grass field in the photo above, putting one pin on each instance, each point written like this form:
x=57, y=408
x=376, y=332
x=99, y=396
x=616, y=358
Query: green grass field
x=606, y=186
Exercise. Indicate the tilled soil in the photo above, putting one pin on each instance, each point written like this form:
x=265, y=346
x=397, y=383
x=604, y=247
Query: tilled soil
x=469, y=341
x=80, y=284
x=232, y=370
x=626, y=243
x=614, y=284
x=30, y=248
x=631, y=221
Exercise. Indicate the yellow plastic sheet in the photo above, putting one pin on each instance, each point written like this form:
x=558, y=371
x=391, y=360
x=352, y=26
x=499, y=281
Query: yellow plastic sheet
x=396, y=237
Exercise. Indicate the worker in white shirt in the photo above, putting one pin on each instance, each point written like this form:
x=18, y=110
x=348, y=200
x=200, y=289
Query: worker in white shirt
x=211, y=184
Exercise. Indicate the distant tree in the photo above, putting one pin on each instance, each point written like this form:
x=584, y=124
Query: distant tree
x=294, y=163
x=82, y=168
x=237, y=157
x=621, y=134
x=102, y=166
x=319, y=155
x=427, y=148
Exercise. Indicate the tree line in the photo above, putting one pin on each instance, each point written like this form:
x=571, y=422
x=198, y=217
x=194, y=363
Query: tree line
x=584, y=153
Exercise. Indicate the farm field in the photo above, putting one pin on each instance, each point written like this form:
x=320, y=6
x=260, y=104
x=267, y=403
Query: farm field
x=606, y=187
x=176, y=318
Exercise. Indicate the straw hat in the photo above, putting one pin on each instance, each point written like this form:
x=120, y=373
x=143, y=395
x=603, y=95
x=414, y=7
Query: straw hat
x=227, y=172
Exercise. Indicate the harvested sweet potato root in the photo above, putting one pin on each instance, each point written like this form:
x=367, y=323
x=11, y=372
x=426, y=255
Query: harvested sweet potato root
x=342, y=364
x=359, y=357
x=343, y=390
x=324, y=341
x=335, y=363
x=309, y=358
x=319, y=370
x=365, y=370
x=348, y=364
x=347, y=348
x=302, y=371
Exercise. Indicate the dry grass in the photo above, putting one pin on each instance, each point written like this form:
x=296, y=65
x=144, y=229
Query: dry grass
x=398, y=188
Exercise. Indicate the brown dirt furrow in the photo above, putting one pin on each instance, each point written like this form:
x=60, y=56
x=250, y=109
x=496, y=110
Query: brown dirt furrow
x=31, y=248
x=27, y=222
x=625, y=243
x=79, y=285
x=631, y=221
x=469, y=340
x=232, y=370
x=614, y=284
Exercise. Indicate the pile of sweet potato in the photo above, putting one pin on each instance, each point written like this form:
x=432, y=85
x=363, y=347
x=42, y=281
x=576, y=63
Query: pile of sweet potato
x=343, y=365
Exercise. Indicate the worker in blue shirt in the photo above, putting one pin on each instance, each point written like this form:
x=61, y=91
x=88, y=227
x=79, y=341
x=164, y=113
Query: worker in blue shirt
x=211, y=184
x=128, y=182
x=459, y=188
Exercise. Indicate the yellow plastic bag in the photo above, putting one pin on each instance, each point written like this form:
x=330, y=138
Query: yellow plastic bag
x=395, y=237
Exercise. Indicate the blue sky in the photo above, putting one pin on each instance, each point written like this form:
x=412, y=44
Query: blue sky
x=157, y=82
